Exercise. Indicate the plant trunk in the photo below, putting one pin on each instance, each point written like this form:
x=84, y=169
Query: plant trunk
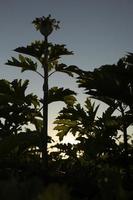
x=45, y=107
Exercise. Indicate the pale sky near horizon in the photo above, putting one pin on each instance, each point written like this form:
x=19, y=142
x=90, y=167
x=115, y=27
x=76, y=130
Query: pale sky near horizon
x=98, y=31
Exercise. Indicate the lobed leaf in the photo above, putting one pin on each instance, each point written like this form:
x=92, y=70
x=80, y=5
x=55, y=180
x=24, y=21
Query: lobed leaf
x=22, y=62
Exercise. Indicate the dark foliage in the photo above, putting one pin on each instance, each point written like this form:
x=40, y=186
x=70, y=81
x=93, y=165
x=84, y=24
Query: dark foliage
x=99, y=165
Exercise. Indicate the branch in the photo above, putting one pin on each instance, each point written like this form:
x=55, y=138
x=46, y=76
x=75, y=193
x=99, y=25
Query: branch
x=39, y=74
x=51, y=73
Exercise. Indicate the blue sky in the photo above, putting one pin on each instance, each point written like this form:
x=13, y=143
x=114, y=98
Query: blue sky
x=98, y=31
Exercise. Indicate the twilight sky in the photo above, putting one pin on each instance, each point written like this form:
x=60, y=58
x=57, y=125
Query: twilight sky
x=97, y=31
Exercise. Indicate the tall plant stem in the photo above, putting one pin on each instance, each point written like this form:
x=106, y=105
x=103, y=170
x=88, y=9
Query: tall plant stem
x=45, y=106
x=125, y=137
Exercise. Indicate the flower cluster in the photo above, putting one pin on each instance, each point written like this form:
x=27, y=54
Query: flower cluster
x=46, y=25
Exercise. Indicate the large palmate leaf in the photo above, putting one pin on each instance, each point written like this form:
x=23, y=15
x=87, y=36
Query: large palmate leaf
x=70, y=70
x=65, y=126
x=17, y=108
x=35, y=49
x=22, y=62
x=61, y=94
x=19, y=93
x=110, y=81
x=76, y=120
x=15, y=92
x=58, y=50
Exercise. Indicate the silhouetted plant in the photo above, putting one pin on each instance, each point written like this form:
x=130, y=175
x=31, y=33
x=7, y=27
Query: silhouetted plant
x=82, y=170
x=18, y=110
x=98, y=155
x=113, y=85
x=48, y=55
x=96, y=136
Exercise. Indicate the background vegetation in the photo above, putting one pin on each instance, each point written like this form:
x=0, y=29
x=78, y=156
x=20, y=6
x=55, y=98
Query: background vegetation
x=100, y=164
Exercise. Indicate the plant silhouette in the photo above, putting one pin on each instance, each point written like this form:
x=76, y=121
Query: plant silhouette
x=112, y=84
x=99, y=165
x=48, y=55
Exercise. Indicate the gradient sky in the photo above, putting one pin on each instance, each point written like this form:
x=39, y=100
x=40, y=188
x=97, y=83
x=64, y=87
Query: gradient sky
x=98, y=31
